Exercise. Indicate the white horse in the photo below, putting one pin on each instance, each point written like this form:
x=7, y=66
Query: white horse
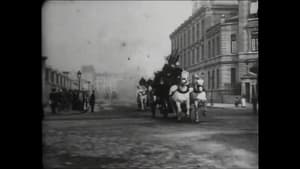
x=198, y=97
x=142, y=96
x=180, y=94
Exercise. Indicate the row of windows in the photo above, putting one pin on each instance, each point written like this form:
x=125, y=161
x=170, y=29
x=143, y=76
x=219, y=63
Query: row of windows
x=188, y=37
x=214, y=47
x=193, y=56
x=52, y=77
x=253, y=43
x=197, y=54
x=214, y=78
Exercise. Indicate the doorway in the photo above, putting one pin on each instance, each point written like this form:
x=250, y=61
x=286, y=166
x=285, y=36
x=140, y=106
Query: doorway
x=248, y=92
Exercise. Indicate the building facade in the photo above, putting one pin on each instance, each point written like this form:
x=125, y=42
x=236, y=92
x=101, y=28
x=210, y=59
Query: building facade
x=68, y=80
x=89, y=74
x=220, y=43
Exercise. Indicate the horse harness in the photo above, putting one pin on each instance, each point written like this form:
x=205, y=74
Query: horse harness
x=143, y=93
x=180, y=91
x=197, y=90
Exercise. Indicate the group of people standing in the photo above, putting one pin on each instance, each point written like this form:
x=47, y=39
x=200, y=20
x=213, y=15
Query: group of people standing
x=66, y=100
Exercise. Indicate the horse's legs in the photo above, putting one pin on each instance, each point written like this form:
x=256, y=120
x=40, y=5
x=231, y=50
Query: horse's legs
x=196, y=110
x=173, y=106
x=178, y=112
x=204, y=108
x=188, y=107
x=142, y=103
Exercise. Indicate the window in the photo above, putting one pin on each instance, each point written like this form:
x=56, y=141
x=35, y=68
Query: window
x=198, y=35
x=218, y=78
x=194, y=56
x=209, y=49
x=173, y=44
x=52, y=76
x=202, y=28
x=233, y=43
x=185, y=39
x=181, y=41
x=182, y=60
x=213, y=79
x=186, y=59
x=209, y=78
x=189, y=37
x=253, y=6
x=202, y=52
x=178, y=41
x=232, y=75
x=218, y=46
x=198, y=54
x=189, y=57
x=213, y=48
x=193, y=34
x=254, y=41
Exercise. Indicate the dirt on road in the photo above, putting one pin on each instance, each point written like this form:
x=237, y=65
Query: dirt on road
x=122, y=137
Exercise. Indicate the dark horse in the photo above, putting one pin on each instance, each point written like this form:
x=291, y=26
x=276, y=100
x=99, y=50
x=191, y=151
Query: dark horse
x=161, y=84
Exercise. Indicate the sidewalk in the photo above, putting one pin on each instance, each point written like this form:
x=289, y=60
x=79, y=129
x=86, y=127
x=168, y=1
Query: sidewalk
x=226, y=105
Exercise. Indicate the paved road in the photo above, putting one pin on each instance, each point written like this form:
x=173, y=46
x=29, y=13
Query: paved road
x=118, y=136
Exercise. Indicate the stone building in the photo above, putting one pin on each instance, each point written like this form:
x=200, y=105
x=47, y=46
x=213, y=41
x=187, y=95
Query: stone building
x=219, y=41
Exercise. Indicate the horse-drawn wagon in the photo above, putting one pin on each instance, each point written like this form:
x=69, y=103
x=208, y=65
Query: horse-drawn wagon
x=169, y=92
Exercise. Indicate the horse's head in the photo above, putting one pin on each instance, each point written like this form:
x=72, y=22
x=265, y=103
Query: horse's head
x=184, y=78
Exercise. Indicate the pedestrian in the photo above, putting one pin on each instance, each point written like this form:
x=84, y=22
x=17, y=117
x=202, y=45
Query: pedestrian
x=53, y=101
x=59, y=95
x=92, y=101
x=237, y=101
x=84, y=102
x=243, y=101
x=254, y=104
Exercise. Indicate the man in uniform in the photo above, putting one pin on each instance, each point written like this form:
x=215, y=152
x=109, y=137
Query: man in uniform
x=92, y=101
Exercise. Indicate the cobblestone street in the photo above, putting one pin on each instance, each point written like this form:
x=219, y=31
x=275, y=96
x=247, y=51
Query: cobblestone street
x=119, y=136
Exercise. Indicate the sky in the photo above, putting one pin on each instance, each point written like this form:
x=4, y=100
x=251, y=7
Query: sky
x=113, y=36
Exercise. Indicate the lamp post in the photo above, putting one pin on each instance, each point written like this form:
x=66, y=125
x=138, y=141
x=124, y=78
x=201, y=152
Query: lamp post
x=79, y=78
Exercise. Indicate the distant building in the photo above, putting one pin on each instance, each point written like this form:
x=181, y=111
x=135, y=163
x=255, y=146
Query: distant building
x=52, y=78
x=220, y=42
x=89, y=74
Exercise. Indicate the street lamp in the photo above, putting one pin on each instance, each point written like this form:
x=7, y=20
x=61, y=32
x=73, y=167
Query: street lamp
x=79, y=77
